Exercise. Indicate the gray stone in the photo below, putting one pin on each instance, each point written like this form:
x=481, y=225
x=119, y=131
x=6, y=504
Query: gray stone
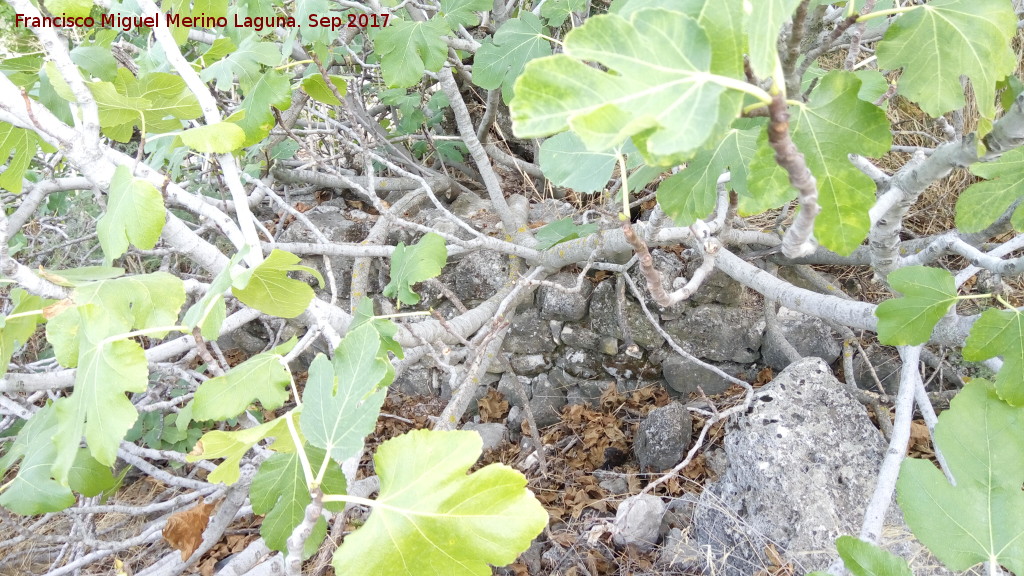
x=417, y=380
x=613, y=482
x=637, y=521
x=582, y=337
x=716, y=333
x=678, y=514
x=547, y=402
x=513, y=388
x=479, y=275
x=718, y=288
x=685, y=376
x=802, y=463
x=588, y=392
x=528, y=335
x=810, y=336
x=492, y=434
x=499, y=364
x=679, y=552
x=529, y=364
x=627, y=368
x=556, y=304
x=663, y=437
x=604, y=317
x=579, y=363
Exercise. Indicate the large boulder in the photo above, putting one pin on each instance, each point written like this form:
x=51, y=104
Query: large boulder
x=802, y=464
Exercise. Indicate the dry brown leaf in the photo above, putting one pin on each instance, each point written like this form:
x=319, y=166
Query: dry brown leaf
x=184, y=529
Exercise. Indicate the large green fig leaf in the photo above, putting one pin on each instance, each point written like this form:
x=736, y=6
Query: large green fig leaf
x=499, y=61
x=939, y=42
x=981, y=519
x=658, y=84
x=434, y=518
x=135, y=214
x=341, y=402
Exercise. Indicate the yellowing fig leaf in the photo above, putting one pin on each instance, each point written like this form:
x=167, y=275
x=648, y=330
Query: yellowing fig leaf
x=321, y=92
x=219, y=138
x=434, y=518
x=927, y=295
x=261, y=377
x=232, y=446
x=268, y=288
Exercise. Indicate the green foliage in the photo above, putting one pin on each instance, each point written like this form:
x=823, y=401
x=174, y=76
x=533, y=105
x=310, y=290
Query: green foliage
x=33, y=491
x=318, y=90
x=864, y=559
x=342, y=399
x=219, y=138
x=658, y=84
x=409, y=265
x=561, y=231
x=17, y=146
x=567, y=162
x=1001, y=333
x=499, y=61
x=208, y=312
x=98, y=408
x=73, y=8
x=156, y=102
x=770, y=15
x=279, y=490
x=135, y=214
x=982, y=203
x=408, y=48
x=268, y=288
x=938, y=42
x=832, y=125
x=16, y=331
x=981, y=519
x=232, y=446
x=691, y=194
x=557, y=11
x=461, y=12
x=928, y=294
x=262, y=377
x=161, y=432
x=431, y=510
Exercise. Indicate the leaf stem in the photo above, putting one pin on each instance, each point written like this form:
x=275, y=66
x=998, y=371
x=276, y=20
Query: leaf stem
x=143, y=332
x=24, y=314
x=882, y=13
x=307, y=470
x=404, y=314
x=621, y=159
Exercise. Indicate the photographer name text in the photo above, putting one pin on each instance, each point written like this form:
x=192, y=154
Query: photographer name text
x=258, y=23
